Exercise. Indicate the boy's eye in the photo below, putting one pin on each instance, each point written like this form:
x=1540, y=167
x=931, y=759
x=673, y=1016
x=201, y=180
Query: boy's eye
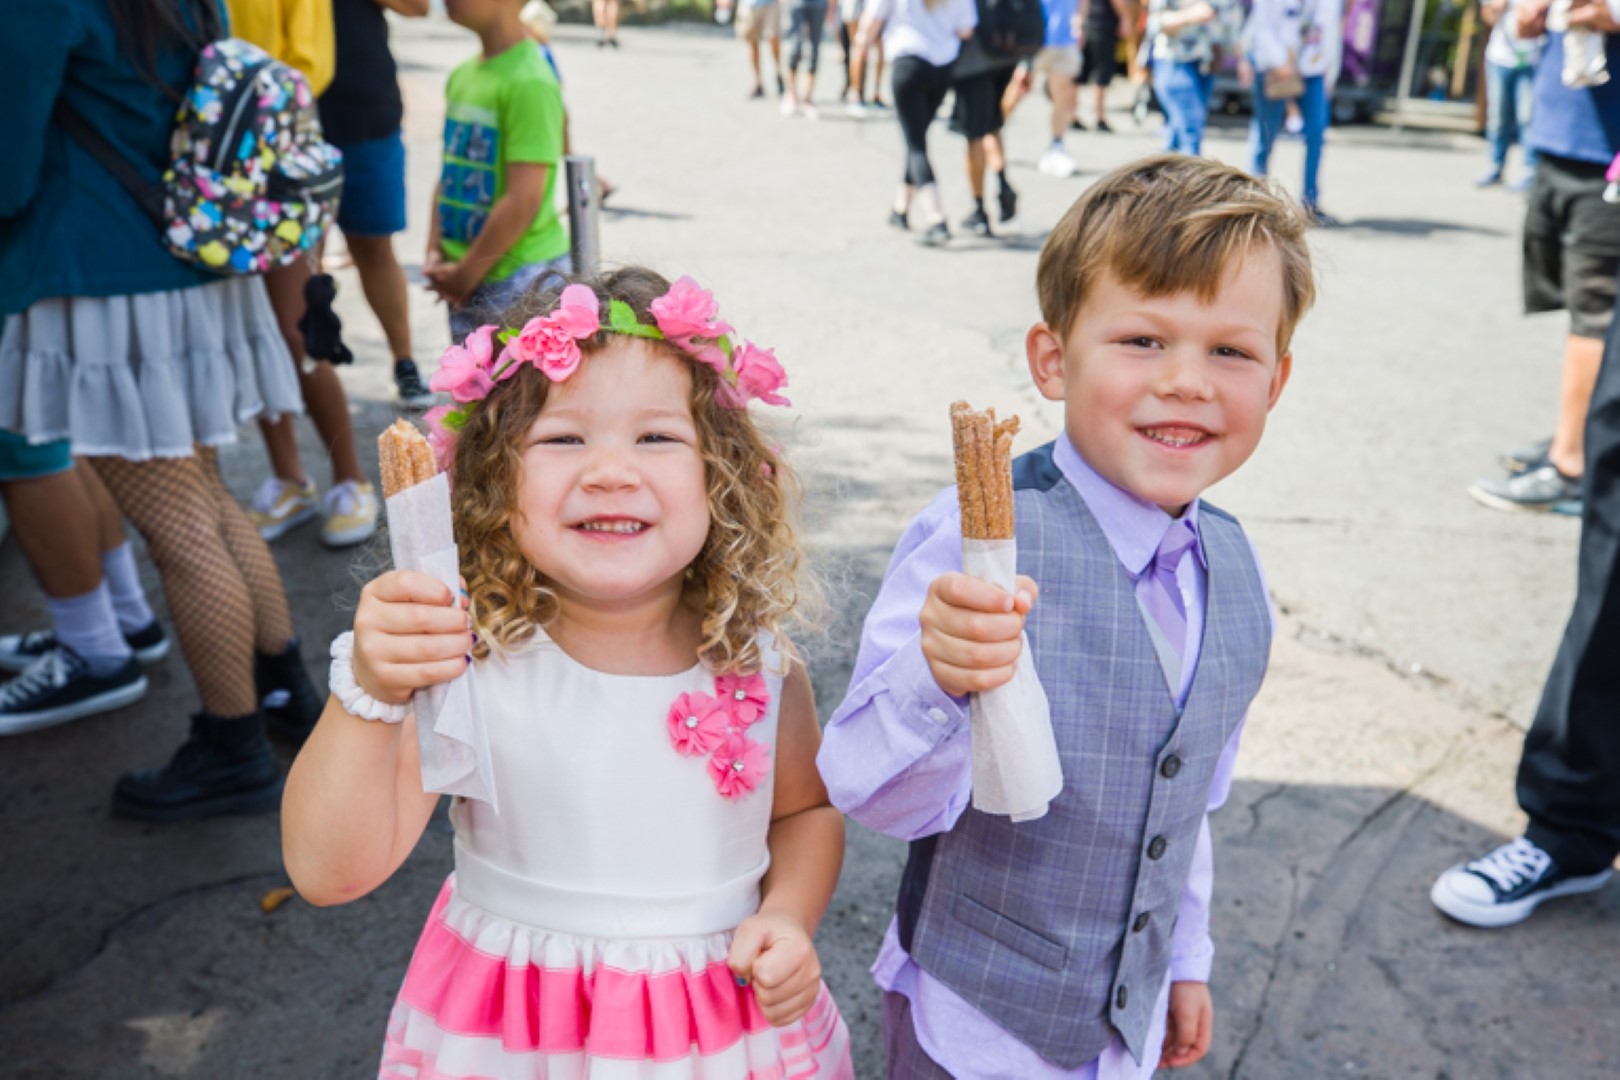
x=1233, y=351
x=1140, y=342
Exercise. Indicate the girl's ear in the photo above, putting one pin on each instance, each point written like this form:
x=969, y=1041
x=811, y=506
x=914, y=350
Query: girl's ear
x=1045, y=352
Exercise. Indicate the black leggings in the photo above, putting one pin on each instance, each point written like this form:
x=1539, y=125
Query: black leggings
x=919, y=88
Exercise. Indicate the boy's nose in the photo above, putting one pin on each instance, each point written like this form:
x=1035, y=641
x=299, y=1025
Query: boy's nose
x=1185, y=374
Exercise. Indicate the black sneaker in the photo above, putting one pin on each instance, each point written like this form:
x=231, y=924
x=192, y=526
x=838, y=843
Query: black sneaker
x=936, y=235
x=225, y=767
x=59, y=687
x=413, y=392
x=977, y=223
x=149, y=644
x=1522, y=459
x=1505, y=886
x=900, y=221
x=1076, y=125
x=1007, y=204
x=1102, y=126
x=286, y=697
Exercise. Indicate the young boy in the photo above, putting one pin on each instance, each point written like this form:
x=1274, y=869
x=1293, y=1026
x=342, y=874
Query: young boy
x=495, y=227
x=1077, y=945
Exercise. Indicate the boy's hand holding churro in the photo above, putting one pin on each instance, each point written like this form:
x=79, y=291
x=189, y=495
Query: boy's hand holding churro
x=972, y=630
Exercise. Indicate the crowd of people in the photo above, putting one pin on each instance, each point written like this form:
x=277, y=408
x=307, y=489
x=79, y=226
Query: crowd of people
x=629, y=556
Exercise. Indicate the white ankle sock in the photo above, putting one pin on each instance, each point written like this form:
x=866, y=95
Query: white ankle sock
x=932, y=208
x=124, y=586
x=86, y=624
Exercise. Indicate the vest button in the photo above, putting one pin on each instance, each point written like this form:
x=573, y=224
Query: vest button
x=1156, y=847
x=1170, y=767
x=1141, y=923
x=1120, y=997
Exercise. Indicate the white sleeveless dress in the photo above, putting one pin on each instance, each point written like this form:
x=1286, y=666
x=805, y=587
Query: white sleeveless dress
x=583, y=935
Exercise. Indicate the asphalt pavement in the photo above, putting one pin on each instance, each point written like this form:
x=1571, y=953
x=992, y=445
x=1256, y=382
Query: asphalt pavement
x=1416, y=626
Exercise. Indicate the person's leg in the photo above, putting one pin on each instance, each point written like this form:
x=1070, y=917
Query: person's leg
x=1583, y=357
x=1313, y=107
x=753, y=64
x=1524, y=98
x=1168, y=79
x=613, y=20
x=1201, y=86
x=1263, y=126
x=324, y=396
x=1569, y=774
x=1501, y=109
x=816, y=20
x=118, y=570
x=1065, y=94
x=975, y=168
x=877, y=80
x=382, y=279
x=904, y=1057
x=57, y=528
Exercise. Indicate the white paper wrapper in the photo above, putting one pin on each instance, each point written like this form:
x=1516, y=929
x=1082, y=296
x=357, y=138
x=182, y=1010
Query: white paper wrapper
x=449, y=723
x=1016, y=770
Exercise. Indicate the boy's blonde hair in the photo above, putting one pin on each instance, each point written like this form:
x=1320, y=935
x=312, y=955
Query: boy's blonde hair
x=1170, y=224
x=746, y=577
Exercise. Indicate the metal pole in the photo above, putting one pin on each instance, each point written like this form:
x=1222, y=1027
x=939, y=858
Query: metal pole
x=1409, y=61
x=584, y=222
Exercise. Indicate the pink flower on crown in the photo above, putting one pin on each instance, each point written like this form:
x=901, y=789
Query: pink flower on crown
x=687, y=310
x=697, y=724
x=464, y=369
x=738, y=766
x=745, y=697
x=759, y=375
x=578, y=312
x=545, y=344
x=440, y=438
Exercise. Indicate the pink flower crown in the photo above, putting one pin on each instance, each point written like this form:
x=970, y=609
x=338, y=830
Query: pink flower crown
x=686, y=316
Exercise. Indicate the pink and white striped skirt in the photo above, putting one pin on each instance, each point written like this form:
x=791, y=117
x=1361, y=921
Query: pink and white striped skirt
x=486, y=998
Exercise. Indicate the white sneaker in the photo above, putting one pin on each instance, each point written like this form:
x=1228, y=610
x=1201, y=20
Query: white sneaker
x=790, y=105
x=1057, y=162
x=351, y=514
x=279, y=506
x=857, y=110
x=809, y=111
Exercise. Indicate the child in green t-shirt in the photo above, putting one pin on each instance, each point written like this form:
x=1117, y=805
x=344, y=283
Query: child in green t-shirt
x=494, y=222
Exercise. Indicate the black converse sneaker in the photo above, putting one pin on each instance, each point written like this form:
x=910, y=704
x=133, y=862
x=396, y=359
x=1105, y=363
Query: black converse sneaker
x=413, y=392
x=59, y=687
x=149, y=644
x=1504, y=887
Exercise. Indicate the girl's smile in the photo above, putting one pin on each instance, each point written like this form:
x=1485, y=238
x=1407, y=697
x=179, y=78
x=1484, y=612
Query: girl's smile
x=612, y=504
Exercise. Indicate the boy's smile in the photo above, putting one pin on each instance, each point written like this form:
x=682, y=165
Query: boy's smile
x=1165, y=396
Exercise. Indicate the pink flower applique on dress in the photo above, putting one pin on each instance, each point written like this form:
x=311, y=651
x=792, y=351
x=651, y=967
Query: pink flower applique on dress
x=697, y=724
x=739, y=765
x=745, y=697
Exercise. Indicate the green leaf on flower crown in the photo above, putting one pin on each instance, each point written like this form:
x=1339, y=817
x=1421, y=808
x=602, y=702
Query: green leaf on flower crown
x=725, y=346
x=455, y=419
x=506, y=335
x=622, y=320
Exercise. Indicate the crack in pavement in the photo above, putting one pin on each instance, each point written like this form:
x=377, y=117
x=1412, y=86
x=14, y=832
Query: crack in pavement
x=112, y=929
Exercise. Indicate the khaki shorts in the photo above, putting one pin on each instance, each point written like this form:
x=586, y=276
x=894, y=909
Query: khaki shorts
x=759, y=22
x=1060, y=60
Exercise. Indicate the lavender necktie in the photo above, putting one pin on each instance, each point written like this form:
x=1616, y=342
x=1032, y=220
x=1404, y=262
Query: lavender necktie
x=1158, y=591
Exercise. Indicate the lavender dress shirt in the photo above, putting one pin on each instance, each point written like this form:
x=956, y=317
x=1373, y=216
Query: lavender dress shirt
x=896, y=757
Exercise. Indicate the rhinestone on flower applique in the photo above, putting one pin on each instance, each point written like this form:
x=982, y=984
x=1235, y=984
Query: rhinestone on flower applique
x=714, y=724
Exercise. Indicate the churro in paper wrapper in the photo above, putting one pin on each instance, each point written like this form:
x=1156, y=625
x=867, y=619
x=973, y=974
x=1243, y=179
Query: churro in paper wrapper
x=449, y=723
x=1016, y=771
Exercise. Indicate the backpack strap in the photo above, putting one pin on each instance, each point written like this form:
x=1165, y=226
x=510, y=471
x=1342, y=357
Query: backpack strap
x=148, y=195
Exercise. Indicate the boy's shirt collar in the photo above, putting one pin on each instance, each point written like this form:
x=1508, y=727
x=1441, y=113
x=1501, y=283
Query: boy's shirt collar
x=1134, y=527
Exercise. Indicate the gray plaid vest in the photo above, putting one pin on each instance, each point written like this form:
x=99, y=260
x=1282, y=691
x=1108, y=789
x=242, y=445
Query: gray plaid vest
x=1060, y=929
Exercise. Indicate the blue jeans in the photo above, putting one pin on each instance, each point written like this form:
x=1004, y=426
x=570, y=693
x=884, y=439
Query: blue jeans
x=1268, y=121
x=1184, y=92
x=1508, y=99
x=490, y=301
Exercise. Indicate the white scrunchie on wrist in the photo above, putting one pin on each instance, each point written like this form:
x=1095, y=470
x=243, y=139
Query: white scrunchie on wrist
x=355, y=701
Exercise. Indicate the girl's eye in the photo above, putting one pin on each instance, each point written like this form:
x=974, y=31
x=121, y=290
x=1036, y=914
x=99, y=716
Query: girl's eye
x=559, y=440
x=659, y=437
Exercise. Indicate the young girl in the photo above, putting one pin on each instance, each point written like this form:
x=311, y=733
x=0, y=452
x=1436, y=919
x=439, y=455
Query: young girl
x=642, y=903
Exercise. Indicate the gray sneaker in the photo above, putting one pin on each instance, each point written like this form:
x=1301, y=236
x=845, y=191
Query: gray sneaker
x=1540, y=490
x=1524, y=458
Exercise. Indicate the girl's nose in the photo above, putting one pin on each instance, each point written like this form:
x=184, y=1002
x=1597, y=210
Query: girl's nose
x=610, y=470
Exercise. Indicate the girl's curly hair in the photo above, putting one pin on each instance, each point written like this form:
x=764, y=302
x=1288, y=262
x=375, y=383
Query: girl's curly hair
x=746, y=578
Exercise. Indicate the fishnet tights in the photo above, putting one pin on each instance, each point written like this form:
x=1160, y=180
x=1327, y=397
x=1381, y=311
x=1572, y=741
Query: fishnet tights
x=222, y=585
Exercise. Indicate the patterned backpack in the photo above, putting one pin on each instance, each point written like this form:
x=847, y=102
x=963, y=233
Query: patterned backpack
x=251, y=184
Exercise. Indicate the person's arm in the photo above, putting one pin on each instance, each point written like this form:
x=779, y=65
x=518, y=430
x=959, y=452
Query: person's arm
x=34, y=55
x=772, y=949
x=1267, y=37
x=1491, y=11
x=354, y=807
x=309, y=42
x=897, y=754
x=1530, y=18
x=508, y=220
x=1599, y=16
x=411, y=9
x=1184, y=19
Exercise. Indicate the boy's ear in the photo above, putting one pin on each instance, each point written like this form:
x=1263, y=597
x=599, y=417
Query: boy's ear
x=1045, y=351
x=1279, y=378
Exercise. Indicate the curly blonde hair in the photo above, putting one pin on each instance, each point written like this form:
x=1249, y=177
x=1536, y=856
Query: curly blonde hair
x=745, y=579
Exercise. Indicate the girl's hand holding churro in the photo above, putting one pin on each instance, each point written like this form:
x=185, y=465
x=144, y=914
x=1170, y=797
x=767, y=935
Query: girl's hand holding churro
x=409, y=633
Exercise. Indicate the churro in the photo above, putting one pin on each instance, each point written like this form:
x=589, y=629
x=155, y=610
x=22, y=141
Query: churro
x=403, y=457
x=984, y=471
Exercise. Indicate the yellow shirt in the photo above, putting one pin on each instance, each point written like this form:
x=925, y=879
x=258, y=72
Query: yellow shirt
x=296, y=32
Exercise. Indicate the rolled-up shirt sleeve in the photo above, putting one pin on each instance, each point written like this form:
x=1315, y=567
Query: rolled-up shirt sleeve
x=896, y=755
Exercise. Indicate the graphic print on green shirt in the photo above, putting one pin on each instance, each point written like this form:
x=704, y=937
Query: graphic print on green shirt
x=499, y=112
